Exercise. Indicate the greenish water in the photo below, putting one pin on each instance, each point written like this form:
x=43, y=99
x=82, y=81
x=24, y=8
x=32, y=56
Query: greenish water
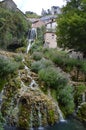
x=70, y=124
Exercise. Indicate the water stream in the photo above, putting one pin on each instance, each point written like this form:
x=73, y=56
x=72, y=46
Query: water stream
x=1, y=95
x=83, y=97
x=29, y=45
x=39, y=116
x=32, y=35
x=61, y=118
x=71, y=124
x=31, y=119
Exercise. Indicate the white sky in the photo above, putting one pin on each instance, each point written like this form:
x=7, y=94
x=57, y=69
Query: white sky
x=37, y=5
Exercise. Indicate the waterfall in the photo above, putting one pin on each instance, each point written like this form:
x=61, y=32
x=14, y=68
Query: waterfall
x=1, y=94
x=31, y=119
x=83, y=97
x=27, y=69
x=40, y=119
x=29, y=45
x=33, y=84
x=23, y=88
x=61, y=118
x=32, y=34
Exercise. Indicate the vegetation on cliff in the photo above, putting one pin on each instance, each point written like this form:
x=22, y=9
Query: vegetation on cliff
x=13, y=29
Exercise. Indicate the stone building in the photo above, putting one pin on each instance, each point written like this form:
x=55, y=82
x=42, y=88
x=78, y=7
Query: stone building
x=38, y=24
x=50, y=40
x=55, y=10
x=50, y=36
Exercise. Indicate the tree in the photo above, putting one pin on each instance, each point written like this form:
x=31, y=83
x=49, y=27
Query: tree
x=13, y=27
x=71, y=29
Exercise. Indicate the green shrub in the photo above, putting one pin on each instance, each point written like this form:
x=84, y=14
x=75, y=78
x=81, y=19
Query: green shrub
x=58, y=81
x=37, y=55
x=84, y=67
x=37, y=46
x=52, y=77
x=7, y=66
x=18, y=58
x=2, y=121
x=38, y=65
x=65, y=98
x=49, y=76
x=78, y=92
x=82, y=112
x=2, y=82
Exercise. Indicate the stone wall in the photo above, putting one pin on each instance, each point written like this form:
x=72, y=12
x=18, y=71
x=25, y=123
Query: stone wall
x=50, y=40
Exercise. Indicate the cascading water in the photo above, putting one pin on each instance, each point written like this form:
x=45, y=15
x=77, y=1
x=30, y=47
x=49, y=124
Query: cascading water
x=33, y=84
x=1, y=94
x=83, y=97
x=32, y=34
x=40, y=118
x=29, y=45
x=31, y=118
x=61, y=118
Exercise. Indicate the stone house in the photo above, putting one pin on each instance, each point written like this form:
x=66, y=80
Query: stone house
x=50, y=40
x=50, y=36
x=55, y=10
x=51, y=25
x=38, y=24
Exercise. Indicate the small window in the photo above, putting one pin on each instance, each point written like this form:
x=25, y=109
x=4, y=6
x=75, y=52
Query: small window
x=52, y=36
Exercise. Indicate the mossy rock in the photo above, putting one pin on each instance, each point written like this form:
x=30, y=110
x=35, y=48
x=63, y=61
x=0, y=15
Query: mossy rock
x=32, y=106
x=82, y=112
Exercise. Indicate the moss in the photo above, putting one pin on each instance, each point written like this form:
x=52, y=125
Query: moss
x=51, y=117
x=2, y=83
x=54, y=94
x=24, y=117
x=82, y=112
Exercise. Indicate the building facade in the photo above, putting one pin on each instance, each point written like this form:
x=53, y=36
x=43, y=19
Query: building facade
x=50, y=40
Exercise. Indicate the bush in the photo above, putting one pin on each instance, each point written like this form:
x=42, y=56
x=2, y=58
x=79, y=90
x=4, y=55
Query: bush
x=37, y=55
x=7, y=66
x=18, y=58
x=52, y=77
x=2, y=121
x=66, y=100
x=36, y=46
x=58, y=81
x=49, y=76
x=38, y=65
x=78, y=92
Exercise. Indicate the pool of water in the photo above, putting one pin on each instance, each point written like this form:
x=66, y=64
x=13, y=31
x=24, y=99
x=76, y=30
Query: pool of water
x=69, y=124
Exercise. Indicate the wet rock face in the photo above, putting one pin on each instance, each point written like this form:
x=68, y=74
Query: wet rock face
x=35, y=109
x=27, y=106
x=82, y=112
